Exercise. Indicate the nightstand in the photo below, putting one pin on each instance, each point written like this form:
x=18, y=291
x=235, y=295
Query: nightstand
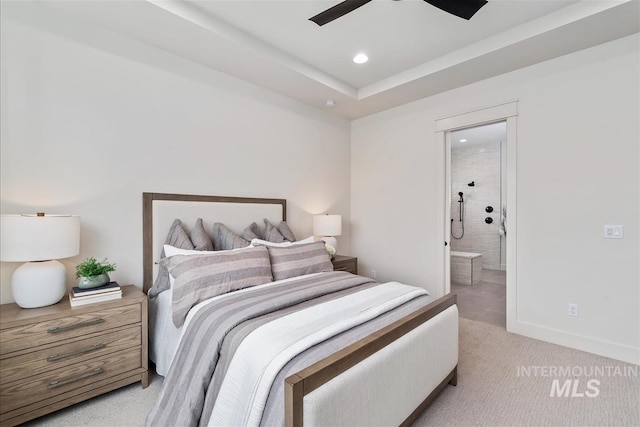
x=53, y=357
x=345, y=263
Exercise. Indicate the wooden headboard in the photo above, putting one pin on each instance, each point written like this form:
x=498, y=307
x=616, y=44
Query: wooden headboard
x=159, y=210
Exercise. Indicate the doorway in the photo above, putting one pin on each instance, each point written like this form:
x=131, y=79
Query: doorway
x=448, y=197
x=478, y=221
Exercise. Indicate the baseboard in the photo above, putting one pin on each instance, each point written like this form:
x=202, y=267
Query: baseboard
x=609, y=349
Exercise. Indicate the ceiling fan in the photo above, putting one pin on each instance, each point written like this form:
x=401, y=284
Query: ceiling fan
x=462, y=8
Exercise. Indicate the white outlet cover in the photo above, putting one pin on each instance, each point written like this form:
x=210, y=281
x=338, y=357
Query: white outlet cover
x=613, y=232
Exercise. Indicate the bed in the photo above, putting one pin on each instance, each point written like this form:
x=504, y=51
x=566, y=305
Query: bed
x=306, y=347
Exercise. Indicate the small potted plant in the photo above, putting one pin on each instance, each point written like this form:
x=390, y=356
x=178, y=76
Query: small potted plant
x=93, y=273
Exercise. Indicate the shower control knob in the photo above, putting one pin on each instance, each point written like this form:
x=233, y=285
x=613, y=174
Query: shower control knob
x=488, y=220
x=488, y=209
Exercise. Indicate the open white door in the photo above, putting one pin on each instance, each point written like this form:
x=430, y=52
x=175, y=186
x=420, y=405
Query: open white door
x=507, y=112
x=443, y=213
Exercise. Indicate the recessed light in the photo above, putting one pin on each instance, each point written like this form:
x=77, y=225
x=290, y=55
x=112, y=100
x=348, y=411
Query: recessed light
x=463, y=140
x=330, y=103
x=360, y=58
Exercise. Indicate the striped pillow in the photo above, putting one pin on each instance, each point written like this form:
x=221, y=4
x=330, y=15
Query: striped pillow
x=178, y=238
x=251, y=232
x=271, y=233
x=279, y=234
x=225, y=239
x=200, y=277
x=296, y=260
x=286, y=232
x=199, y=237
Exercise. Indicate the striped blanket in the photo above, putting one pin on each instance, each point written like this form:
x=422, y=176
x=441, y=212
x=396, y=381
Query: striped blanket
x=217, y=331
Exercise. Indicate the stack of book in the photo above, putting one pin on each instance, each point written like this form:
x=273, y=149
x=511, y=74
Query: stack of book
x=103, y=293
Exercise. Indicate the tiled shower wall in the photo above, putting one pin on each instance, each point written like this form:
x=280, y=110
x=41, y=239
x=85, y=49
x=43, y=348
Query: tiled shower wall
x=482, y=165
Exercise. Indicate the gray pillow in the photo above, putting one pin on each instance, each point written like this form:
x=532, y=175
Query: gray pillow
x=286, y=232
x=177, y=237
x=199, y=237
x=296, y=260
x=225, y=239
x=271, y=233
x=200, y=277
x=251, y=232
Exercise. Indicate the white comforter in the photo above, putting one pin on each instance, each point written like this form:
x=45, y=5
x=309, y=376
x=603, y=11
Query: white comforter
x=165, y=336
x=266, y=350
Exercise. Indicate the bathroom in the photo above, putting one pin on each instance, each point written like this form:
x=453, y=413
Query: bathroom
x=479, y=221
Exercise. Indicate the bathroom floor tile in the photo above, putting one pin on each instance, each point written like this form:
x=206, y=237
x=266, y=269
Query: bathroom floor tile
x=485, y=301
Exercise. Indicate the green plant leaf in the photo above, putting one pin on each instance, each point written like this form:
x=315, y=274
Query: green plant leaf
x=91, y=267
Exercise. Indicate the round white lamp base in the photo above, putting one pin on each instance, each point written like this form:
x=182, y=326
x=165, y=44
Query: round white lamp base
x=38, y=284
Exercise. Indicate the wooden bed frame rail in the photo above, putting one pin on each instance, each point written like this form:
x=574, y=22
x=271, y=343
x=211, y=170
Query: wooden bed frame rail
x=305, y=381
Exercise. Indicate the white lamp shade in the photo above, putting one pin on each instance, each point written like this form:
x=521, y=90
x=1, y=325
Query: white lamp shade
x=327, y=225
x=39, y=238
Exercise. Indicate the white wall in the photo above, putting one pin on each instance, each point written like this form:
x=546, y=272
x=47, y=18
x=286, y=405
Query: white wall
x=88, y=126
x=577, y=167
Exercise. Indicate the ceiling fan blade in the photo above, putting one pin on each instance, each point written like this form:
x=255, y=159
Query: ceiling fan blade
x=337, y=11
x=462, y=8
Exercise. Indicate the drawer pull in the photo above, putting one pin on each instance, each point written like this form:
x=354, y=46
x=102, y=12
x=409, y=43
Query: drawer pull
x=55, y=357
x=58, y=329
x=54, y=384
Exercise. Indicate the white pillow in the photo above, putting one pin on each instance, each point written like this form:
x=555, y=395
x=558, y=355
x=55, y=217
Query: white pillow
x=309, y=239
x=260, y=242
x=172, y=250
x=257, y=242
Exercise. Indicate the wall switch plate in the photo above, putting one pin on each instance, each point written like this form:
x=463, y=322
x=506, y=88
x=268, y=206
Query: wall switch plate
x=613, y=232
x=573, y=310
x=373, y=274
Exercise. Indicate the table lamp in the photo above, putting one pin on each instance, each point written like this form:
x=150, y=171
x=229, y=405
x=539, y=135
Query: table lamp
x=327, y=226
x=39, y=240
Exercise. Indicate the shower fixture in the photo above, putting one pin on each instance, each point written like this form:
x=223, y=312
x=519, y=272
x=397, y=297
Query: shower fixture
x=472, y=184
x=461, y=213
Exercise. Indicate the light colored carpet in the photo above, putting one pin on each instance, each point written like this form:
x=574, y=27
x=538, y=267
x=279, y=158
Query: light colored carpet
x=492, y=390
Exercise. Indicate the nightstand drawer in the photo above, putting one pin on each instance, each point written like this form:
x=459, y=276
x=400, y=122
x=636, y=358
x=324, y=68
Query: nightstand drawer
x=53, y=331
x=56, y=356
x=345, y=263
x=48, y=385
x=95, y=345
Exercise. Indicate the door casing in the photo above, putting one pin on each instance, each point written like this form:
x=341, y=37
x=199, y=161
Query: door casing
x=503, y=112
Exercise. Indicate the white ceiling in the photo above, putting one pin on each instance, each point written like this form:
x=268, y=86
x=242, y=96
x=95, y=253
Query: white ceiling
x=415, y=49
